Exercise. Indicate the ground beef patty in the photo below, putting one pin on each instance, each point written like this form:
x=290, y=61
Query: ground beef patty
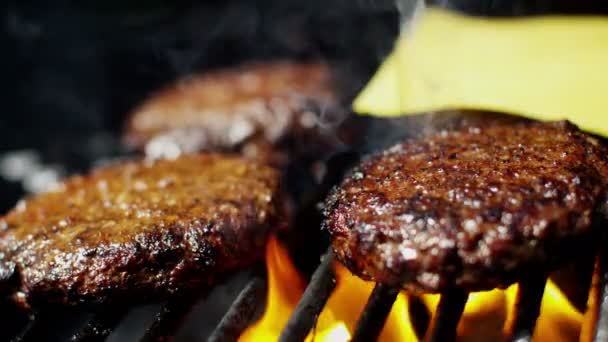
x=140, y=229
x=477, y=209
x=249, y=108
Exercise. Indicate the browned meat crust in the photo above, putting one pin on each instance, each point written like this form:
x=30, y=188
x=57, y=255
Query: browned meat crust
x=140, y=229
x=475, y=209
x=243, y=108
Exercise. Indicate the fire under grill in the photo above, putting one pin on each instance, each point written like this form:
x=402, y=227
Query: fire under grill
x=242, y=312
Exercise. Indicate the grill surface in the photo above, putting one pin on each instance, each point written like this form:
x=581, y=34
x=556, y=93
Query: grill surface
x=242, y=312
x=99, y=325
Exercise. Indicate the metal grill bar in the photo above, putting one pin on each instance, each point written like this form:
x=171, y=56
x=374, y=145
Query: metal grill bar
x=25, y=331
x=241, y=312
x=420, y=316
x=601, y=323
x=374, y=315
x=442, y=328
x=527, y=308
x=34, y=329
x=51, y=323
x=100, y=326
x=315, y=296
x=447, y=315
x=592, y=314
x=13, y=318
x=168, y=319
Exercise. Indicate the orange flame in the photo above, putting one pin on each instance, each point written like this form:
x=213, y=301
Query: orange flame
x=487, y=314
x=285, y=287
x=485, y=318
x=348, y=300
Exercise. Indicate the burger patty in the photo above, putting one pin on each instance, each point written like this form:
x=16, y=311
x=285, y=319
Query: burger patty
x=248, y=109
x=140, y=229
x=476, y=209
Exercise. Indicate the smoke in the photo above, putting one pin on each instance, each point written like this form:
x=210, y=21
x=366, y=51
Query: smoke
x=84, y=66
x=524, y=7
x=370, y=134
x=72, y=70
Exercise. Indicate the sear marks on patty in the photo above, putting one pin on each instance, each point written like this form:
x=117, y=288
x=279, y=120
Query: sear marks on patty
x=476, y=209
x=140, y=229
x=249, y=109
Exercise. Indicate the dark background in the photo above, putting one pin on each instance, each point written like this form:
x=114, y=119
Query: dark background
x=77, y=67
x=71, y=70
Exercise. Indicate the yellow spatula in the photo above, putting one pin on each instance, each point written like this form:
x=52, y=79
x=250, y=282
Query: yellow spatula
x=545, y=68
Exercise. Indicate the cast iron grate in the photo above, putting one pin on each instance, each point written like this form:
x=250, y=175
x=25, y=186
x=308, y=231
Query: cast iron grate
x=451, y=305
x=251, y=298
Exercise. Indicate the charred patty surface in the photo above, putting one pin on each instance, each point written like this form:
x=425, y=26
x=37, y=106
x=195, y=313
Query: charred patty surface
x=475, y=209
x=140, y=229
x=242, y=108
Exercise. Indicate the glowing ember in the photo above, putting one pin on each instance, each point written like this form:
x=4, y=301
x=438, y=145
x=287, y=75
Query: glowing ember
x=485, y=317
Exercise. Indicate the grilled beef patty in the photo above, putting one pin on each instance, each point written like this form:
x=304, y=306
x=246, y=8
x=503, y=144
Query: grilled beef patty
x=280, y=112
x=248, y=109
x=140, y=229
x=476, y=209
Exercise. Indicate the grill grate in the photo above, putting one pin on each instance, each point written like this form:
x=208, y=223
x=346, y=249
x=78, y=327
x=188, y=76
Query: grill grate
x=241, y=312
x=168, y=318
x=99, y=327
x=444, y=324
x=244, y=308
x=450, y=308
x=313, y=300
x=529, y=297
x=25, y=331
x=376, y=311
x=598, y=298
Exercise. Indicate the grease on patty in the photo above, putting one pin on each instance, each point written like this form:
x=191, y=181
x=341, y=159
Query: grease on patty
x=250, y=108
x=140, y=229
x=477, y=208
